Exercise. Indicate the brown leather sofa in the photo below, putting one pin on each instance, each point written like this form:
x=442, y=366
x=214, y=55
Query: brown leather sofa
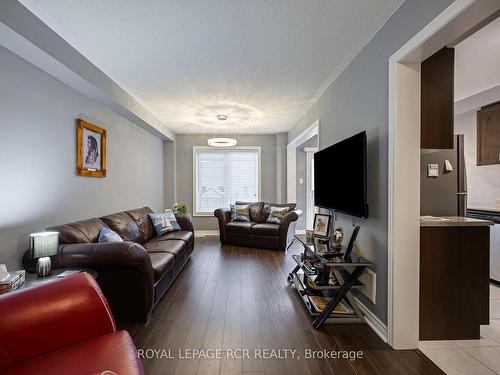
x=133, y=274
x=258, y=233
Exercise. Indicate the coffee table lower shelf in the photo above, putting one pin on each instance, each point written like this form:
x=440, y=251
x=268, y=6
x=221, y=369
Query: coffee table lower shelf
x=334, y=318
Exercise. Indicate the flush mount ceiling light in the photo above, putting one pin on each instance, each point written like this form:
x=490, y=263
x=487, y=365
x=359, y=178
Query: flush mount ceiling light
x=222, y=142
x=222, y=117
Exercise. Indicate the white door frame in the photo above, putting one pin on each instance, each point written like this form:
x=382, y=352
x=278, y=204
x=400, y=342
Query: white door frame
x=404, y=162
x=309, y=185
x=291, y=156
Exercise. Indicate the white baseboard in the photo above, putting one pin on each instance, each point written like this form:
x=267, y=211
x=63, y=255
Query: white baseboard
x=372, y=320
x=208, y=232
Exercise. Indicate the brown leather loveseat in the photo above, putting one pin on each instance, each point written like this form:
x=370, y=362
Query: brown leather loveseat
x=258, y=233
x=133, y=274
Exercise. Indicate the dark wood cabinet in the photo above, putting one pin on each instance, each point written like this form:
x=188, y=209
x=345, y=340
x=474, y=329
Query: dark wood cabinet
x=454, y=281
x=488, y=135
x=437, y=100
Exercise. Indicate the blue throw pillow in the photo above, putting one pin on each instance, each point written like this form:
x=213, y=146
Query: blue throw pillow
x=107, y=235
x=161, y=223
x=173, y=221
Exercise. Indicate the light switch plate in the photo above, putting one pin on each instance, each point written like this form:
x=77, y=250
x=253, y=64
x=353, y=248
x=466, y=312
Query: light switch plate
x=432, y=170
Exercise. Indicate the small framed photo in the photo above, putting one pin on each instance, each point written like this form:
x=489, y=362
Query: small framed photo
x=91, y=149
x=321, y=225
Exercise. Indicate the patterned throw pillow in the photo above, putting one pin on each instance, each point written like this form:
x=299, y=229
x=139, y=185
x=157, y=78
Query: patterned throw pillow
x=276, y=214
x=161, y=223
x=107, y=235
x=240, y=212
x=173, y=221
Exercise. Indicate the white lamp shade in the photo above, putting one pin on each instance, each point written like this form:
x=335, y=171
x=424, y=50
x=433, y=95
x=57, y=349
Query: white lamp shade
x=44, y=244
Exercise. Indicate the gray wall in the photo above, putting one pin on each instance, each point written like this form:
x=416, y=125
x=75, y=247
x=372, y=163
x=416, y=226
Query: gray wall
x=300, y=170
x=483, y=182
x=184, y=169
x=358, y=100
x=39, y=186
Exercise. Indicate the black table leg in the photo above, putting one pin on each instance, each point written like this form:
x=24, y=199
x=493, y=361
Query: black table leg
x=340, y=295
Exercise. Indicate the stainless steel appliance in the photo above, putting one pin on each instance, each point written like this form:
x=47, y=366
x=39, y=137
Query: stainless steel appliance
x=493, y=215
x=446, y=193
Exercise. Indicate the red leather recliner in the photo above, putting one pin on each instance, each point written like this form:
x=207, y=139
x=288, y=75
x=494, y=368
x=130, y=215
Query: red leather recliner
x=63, y=327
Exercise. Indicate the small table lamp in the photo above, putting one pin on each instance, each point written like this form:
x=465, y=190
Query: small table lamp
x=43, y=245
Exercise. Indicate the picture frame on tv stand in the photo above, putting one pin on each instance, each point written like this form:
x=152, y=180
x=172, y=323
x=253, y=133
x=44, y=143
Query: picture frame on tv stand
x=322, y=225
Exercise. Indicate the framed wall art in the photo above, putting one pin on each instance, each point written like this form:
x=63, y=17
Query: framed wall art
x=91, y=149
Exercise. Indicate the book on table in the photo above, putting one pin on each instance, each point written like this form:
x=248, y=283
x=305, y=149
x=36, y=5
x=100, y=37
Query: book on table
x=319, y=303
x=12, y=281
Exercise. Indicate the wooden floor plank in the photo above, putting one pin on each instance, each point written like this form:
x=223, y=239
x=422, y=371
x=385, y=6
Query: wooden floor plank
x=230, y=297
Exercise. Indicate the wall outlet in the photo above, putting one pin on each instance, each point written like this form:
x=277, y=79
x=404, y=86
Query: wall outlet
x=369, y=279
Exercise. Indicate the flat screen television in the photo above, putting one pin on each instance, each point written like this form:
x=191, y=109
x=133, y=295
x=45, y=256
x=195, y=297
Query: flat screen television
x=340, y=177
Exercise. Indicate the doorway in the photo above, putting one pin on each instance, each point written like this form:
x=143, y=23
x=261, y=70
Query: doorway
x=300, y=174
x=404, y=161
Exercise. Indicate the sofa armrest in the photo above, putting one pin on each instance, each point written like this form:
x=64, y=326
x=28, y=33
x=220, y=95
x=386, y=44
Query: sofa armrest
x=124, y=273
x=287, y=228
x=185, y=221
x=50, y=316
x=224, y=216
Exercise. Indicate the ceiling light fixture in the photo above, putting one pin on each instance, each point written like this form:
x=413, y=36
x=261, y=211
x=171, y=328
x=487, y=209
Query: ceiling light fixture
x=222, y=142
x=222, y=117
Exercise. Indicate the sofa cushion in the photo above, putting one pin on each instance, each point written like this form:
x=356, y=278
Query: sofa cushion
x=266, y=229
x=175, y=247
x=267, y=208
x=84, y=231
x=240, y=212
x=161, y=223
x=107, y=235
x=113, y=353
x=176, y=235
x=276, y=214
x=239, y=227
x=162, y=263
x=255, y=209
x=125, y=226
x=141, y=218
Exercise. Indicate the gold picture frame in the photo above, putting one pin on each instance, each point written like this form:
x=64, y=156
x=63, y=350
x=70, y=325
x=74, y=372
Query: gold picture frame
x=91, y=149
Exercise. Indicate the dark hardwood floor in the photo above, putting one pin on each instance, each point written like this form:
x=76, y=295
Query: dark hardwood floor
x=233, y=297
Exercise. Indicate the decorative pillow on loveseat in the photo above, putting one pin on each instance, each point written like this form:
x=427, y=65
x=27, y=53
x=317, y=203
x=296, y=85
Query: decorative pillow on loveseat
x=173, y=221
x=276, y=214
x=107, y=235
x=240, y=212
x=161, y=223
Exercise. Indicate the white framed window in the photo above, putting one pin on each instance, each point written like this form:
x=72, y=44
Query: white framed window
x=224, y=176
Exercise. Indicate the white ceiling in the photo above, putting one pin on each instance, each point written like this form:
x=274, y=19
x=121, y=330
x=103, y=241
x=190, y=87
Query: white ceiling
x=260, y=62
x=477, y=62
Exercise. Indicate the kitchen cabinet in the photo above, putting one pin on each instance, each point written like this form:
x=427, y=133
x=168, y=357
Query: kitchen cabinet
x=437, y=100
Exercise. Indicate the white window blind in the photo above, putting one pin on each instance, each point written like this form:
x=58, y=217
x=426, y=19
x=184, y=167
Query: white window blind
x=225, y=176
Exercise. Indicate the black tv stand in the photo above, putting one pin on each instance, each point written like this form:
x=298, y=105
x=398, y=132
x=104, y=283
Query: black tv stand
x=340, y=273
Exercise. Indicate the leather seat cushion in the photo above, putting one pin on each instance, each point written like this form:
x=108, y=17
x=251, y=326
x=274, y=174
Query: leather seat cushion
x=84, y=231
x=239, y=227
x=112, y=352
x=125, y=226
x=162, y=263
x=266, y=229
x=174, y=247
x=183, y=235
x=141, y=217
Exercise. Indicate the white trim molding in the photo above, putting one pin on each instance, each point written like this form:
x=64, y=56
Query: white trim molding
x=291, y=157
x=371, y=319
x=205, y=233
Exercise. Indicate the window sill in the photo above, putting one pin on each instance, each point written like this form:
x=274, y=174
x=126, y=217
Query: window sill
x=210, y=214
